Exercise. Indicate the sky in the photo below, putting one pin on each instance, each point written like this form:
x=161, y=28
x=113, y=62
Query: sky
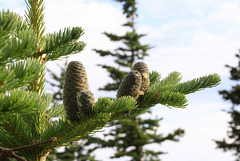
x=195, y=38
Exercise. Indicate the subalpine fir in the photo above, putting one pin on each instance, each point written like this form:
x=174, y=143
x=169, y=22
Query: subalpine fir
x=232, y=143
x=131, y=77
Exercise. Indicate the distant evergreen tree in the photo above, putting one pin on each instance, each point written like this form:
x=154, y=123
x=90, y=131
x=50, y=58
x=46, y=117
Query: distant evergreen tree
x=132, y=134
x=57, y=83
x=73, y=151
x=125, y=56
x=232, y=142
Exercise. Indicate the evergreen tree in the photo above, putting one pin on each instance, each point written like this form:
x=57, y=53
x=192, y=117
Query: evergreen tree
x=26, y=121
x=125, y=56
x=131, y=135
x=57, y=83
x=232, y=142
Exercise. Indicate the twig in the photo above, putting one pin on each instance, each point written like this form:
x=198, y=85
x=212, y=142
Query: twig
x=36, y=144
x=9, y=153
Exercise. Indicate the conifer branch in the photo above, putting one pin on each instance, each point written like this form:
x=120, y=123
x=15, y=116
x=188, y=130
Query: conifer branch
x=35, y=16
x=63, y=43
x=154, y=77
x=53, y=139
x=20, y=46
x=55, y=111
x=172, y=79
x=8, y=21
x=16, y=40
x=10, y=154
x=19, y=101
x=19, y=74
x=191, y=86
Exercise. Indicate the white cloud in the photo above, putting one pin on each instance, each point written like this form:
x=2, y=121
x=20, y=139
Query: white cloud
x=193, y=45
x=226, y=11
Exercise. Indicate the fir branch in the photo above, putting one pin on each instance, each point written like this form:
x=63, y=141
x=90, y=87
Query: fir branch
x=197, y=84
x=9, y=153
x=172, y=79
x=19, y=74
x=19, y=101
x=154, y=77
x=8, y=23
x=113, y=37
x=74, y=131
x=55, y=111
x=53, y=139
x=122, y=104
x=63, y=43
x=104, y=52
x=172, y=93
x=156, y=96
x=16, y=40
x=35, y=16
x=192, y=86
x=102, y=104
x=20, y=46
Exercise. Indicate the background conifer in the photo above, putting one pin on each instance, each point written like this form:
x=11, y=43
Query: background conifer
x=131, y=135
x=232, y=142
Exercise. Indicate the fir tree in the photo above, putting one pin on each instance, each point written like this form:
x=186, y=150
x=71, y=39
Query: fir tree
x=125, y=56
x=232, y=142
x=132, y=134
x=26, y=121
x=57, y=83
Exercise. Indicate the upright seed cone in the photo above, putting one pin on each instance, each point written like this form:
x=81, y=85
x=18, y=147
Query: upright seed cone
x=130, y=85
x=75, y=82
x=143, y=69
x=85, y=100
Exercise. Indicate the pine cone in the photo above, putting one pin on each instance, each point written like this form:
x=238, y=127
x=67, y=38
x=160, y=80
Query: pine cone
x=143, y=69
x=75, y=82
x=130, y=85
x=85, y=100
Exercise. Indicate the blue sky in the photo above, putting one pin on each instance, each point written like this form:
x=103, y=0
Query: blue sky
x=195, y=38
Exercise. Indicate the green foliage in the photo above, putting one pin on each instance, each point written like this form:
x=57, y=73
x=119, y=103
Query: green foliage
x=17, y=41
x=63, y=43
x=35, y=16
x=18, y=101
x=129, y=7
x=55, y=111
x=19, y=74
x=171, y=92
